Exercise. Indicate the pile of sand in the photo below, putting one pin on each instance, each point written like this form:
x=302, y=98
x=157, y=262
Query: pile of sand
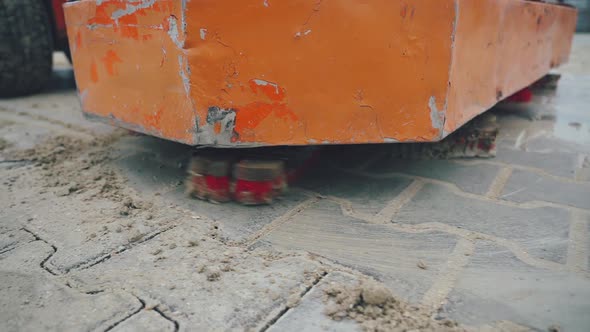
x=73, y=166
x=373, y=306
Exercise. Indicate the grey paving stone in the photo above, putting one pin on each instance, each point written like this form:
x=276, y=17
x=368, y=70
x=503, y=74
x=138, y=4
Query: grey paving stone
x=12, y=239
x=10, y=218
x=559, y=163
x=57, y=106
x=525, y=186
x=368, y=196
x=588, y=241
x=470, y=178
x=495, y=285
x=551, y=144
x=161, y=151
x=515, y=125
x=145, y=321
x=16, y=190
x=149, y=175
x=309, y=314
x=31, y=301
x=238, y=222
x=83, y=228
x=543, y=232
x=84, y=232
x=201, y=283
x=152, y=173
x=19, y=132
x=377, y=250
x=583, y=168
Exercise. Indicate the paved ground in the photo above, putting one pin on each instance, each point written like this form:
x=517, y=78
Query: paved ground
x=97, y=234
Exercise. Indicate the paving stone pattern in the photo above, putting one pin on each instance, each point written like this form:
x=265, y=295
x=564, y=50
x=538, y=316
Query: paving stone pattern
x=105, y=238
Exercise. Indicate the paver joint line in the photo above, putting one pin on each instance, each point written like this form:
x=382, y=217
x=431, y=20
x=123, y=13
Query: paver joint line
x=112, y=326
x=524, y=168
x=499, y=182
x=286, y=309
x=282, y=220
x=445, y=282
x=102, y=258
x=578, y=249
x=387, y=213
x=520, y=253
x=15, y=245
x=44, y=261
x=174, y=322
x=456, y=190
x=8, y=249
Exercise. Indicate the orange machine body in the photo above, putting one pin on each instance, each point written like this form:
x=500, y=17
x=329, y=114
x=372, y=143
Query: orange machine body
x=300, y=72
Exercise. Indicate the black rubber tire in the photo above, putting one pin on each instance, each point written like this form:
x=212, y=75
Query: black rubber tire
x=26, y=47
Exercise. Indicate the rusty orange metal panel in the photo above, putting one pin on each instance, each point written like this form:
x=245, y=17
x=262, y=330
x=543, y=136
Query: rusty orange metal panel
x=500, y=47
x=264, y=72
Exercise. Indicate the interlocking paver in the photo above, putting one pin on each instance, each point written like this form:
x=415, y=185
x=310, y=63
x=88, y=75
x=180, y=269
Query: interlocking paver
x=497, y=286
x=392, y=256
x=19, y=132
x=59, y=107
x=145, y=321
x=201, y=283
x=552, y=144
x=525, y=186
x=31, y=301
x=7, y=221
x=83, y=235
x=148, y=174
x=12, y=239
x=541, y=231
x=368, y=196
x=81, y=231
x=309, y=315
x=588, y=243
x=558, y=163
x=470, y=178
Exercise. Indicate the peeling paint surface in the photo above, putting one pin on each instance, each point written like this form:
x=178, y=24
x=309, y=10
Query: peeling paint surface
x=130, y=8
x=219, y=128
x=437, y=117
x=131, y=65
x=173, y=32
x=327, y=72
x=297, y=82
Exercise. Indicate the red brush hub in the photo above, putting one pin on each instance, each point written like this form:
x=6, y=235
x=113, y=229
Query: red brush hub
x=258, y=182
x=523, y=96
x=218, y=188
